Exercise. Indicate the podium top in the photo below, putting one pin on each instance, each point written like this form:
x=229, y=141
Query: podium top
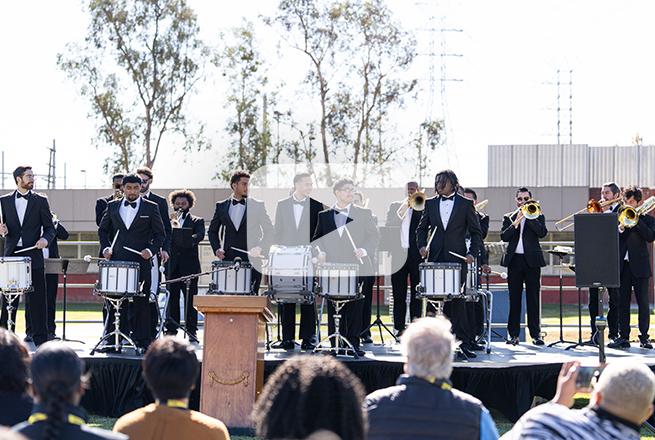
x=236, y=304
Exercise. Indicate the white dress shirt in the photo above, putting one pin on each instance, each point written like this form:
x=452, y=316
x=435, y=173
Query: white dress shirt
x=404, y=228
x=127, y=213
x=445, y=209
x=236, y=212
x=21, y=207
x=519, y=246
x=297, y=210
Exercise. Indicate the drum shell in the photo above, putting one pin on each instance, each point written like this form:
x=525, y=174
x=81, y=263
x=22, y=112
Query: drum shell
x=472, y=278
x=290, y=269
x=440, y=280
x=15, y=274
x=337, y=280
x=118, y=278
x=230, y=281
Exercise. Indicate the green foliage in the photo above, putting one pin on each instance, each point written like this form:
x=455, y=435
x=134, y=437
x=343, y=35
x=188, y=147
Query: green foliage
x=244, y=69
x=138, y=64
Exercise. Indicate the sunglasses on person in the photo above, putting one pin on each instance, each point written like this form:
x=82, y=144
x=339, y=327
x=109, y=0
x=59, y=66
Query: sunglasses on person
x=524, y=199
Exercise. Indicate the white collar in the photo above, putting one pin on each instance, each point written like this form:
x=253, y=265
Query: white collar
x=296, y=199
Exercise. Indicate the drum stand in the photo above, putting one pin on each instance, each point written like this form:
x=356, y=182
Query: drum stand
x=438, y=306
x=10, y=297
x=166, y=319
x=116, y=303
x=338, y=337
x=378, y=320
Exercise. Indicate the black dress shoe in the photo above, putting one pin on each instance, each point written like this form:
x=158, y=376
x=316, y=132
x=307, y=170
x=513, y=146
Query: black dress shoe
x=476, y=347
x=645, y=343
x=619, y=343
x=307, y=344
x=359, y=351
x=482, y=341
x=467, y=351
x=538, y=341
x=367, y=340
x=28, y=338
x=612, y=338
x=287, y=345
x=513, y=340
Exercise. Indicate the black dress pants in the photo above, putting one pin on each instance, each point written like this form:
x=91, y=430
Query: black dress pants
x=628, y=281
x=367, y=291
x=612, y=313
x=52, y=285
x=307, y=321
x=519, y=273
x=173, y=312
x=399, y=291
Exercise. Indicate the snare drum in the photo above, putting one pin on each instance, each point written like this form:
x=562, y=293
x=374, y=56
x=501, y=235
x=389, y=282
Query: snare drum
x=118, y=278
x=472, y=278
x=230, y=281
x=15, y=274
x=338, y=281
x=439, y=281
x=290, y=268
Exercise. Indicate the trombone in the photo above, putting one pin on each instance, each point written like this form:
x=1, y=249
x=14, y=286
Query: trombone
x=592, y=207
x=416, y=201
x=481, y=205
x=530, y=209
x=629, y=216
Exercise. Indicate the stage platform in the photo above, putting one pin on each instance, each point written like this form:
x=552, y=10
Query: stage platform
x=507, y=379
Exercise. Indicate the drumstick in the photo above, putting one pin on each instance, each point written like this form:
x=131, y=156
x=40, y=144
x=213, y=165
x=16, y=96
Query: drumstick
x=503, y=275
x=131, y=250
x=111, y=248
x=222, y=238
x=26, y=249
x=457, y=255
x=245, y=252
x=89, y=258
x=352, y=242
x=315, y=260
x=431, y=238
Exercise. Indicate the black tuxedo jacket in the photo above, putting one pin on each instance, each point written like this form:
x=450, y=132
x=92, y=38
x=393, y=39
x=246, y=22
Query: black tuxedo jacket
x=635, y=241
x=187, y=259
x=62, y=234
x=255, y=229
x=364, y=232
x=463, y=219
x=286, y=233
x=37, y=216
x=101, y=206
x=484, y=230
x=532, y=232
x=399, y=253
x=145, y=225
x=163, y=212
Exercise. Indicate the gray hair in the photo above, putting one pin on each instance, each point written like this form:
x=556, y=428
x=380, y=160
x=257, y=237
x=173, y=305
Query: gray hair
x=627, y=384
x=428, y=345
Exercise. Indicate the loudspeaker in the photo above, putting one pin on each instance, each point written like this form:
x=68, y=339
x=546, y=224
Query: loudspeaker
x=597, y=250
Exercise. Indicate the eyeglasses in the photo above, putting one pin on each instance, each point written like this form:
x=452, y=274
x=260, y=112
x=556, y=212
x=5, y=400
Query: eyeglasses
x=145, y=181
x=525, y=199
x=348, y=190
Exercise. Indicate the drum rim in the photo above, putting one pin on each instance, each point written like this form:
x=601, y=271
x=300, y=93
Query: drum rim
x=117, y=263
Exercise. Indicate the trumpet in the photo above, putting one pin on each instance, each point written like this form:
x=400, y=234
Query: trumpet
x=416, y=201
x=629, y=216
x=481, y=205
x=530, y=209
x=177, y=216
x=592, y=207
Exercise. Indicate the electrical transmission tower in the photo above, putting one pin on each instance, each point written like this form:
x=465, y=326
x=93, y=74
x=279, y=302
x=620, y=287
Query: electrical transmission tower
x=51, y=167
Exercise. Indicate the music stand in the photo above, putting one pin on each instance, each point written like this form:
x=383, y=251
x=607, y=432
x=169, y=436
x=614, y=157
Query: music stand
x=562, y=267
x=65, y=266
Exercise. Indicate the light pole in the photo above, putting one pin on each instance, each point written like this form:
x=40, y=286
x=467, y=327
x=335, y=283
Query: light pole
x=84, y=171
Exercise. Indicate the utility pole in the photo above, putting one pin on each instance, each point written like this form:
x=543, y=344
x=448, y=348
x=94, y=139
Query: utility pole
x=51, y=167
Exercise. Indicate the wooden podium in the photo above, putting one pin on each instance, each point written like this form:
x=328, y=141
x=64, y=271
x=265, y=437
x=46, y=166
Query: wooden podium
x=233, y=355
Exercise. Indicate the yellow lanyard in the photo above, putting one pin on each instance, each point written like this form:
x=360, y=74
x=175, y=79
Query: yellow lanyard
x=172, y=403
x=444, y=385
x=72, y=419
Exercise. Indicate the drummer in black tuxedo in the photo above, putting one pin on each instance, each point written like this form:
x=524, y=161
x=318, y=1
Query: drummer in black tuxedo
x=295, y=222
x=405, y=258
x=450, y=216
x=184, y=261
x=244, y=223
x=138, y=223
x=331, y=236
x=27, y=223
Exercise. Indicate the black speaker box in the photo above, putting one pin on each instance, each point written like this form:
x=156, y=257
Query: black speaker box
x=597, y=250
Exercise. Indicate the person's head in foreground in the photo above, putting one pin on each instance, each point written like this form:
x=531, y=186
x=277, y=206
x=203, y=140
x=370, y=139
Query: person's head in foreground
x=170, y=369
x=308, y=394
x=428, y=345
x=620, y=401
x=15, y=400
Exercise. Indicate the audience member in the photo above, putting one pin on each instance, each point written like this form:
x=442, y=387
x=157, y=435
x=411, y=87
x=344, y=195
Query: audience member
x=620, y=401
x=305, y=395
x=15, y=400
x=423, y=403
x=58, y=383
x=170, y=369
x=8, y=434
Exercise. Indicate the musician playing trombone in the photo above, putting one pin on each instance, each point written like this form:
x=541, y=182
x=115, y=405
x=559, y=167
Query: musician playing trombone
x=610, y=191
x=524, y=259
x=635, y=268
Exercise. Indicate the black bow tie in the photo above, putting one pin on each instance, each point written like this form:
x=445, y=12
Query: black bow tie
x=296, y=202
x=21, y=196
x=239, y=202
x=448, y=198
x=132, y=204
x=341, y=210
